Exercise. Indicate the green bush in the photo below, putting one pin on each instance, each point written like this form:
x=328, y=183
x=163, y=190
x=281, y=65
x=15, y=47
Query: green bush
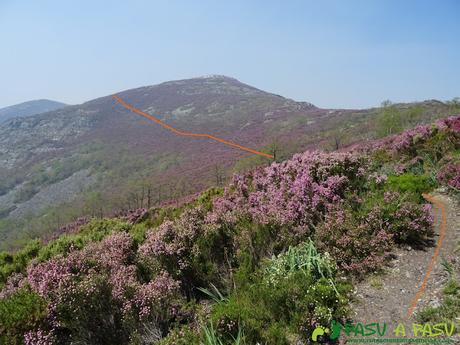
x=411, y=183
x=16, y=263
x=283, y=299
x=19, y=313
x=274, y=314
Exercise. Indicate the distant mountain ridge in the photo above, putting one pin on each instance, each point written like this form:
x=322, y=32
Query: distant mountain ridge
x=29, y=108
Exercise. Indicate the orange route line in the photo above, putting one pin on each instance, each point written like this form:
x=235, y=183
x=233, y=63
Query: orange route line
x=442, y=233
x=188, y=134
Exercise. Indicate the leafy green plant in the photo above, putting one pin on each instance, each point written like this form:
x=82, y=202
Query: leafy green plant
x=409, y=182
x=19, y=313
x=212, y=338
x=447, y=266
x=215, y=294
x=304, y=258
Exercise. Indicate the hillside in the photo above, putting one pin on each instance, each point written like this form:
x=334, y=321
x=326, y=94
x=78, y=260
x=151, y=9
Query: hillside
x=29, y=108
x=98, y=158
x=267, y=259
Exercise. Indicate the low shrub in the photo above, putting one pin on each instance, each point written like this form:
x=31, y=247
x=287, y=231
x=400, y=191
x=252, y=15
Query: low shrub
x=17, y=263
x=187, y=248
x=273, y=314
x=450, y=175
x=399, y=214
x=287, y=297
x=357, y=245
x=20, y=313
x=410, y=183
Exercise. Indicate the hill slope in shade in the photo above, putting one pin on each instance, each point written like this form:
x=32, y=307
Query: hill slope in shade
x=98, y=157
x=29, y=108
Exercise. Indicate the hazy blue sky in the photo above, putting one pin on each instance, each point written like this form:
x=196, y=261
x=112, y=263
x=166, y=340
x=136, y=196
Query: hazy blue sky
x=331, y=53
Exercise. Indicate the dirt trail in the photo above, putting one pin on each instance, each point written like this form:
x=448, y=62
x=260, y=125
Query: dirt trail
x=387, y=297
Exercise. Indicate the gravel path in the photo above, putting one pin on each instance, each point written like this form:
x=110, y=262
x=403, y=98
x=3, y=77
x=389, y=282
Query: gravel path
x=388, y=296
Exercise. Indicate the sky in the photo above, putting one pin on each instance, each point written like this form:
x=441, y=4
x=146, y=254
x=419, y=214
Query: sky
x=334, y=54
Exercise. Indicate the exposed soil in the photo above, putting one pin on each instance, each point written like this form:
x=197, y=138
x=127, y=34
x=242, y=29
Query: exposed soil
x=387, y=297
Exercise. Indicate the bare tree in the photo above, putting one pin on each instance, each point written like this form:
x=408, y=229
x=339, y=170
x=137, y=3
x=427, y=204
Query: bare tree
x=219, y=175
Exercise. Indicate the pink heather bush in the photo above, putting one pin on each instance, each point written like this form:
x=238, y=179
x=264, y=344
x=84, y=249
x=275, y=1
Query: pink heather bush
x=406, y=141
x=72, y=227
x=154, y=297
x=412, y=223
x=39, y=337
x=357, y=246
x=110, y=257
x=92, y=282
x=451, y=123
x=293, y=193
x=49, y=277
x=190, y=248
x=450, y=175
x=14, y=282
x=361, y=239
x=174, y=243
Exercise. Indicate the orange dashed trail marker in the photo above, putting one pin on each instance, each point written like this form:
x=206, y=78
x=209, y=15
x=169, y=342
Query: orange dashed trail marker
x=442, y=233
x=189, y=134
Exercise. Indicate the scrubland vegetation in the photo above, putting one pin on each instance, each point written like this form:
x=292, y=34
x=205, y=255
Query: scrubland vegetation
x=262, y=261
x=136, y=171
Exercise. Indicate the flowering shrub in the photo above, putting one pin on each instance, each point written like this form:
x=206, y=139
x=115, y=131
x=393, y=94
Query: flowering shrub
x=15, y=282
x=358, y=246
x=155, y=295
x=450, y=175
x=189, y=248
x=451, y=123
x=39, y=337
x=294, y=193
x=174, y=243
x=94, y=290
x=407, y=221
x=71, y=228
x=434, y=139
x=411, y=223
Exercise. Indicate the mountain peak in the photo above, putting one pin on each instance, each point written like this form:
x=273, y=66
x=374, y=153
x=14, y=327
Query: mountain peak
x=29, y=108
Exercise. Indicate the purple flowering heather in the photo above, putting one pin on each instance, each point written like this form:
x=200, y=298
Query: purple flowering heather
x=450, y=175
x=406, y=141
x=155, y=294
x=39, y=337
x=174, y=242
x=14, y=282
x=296, y=192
